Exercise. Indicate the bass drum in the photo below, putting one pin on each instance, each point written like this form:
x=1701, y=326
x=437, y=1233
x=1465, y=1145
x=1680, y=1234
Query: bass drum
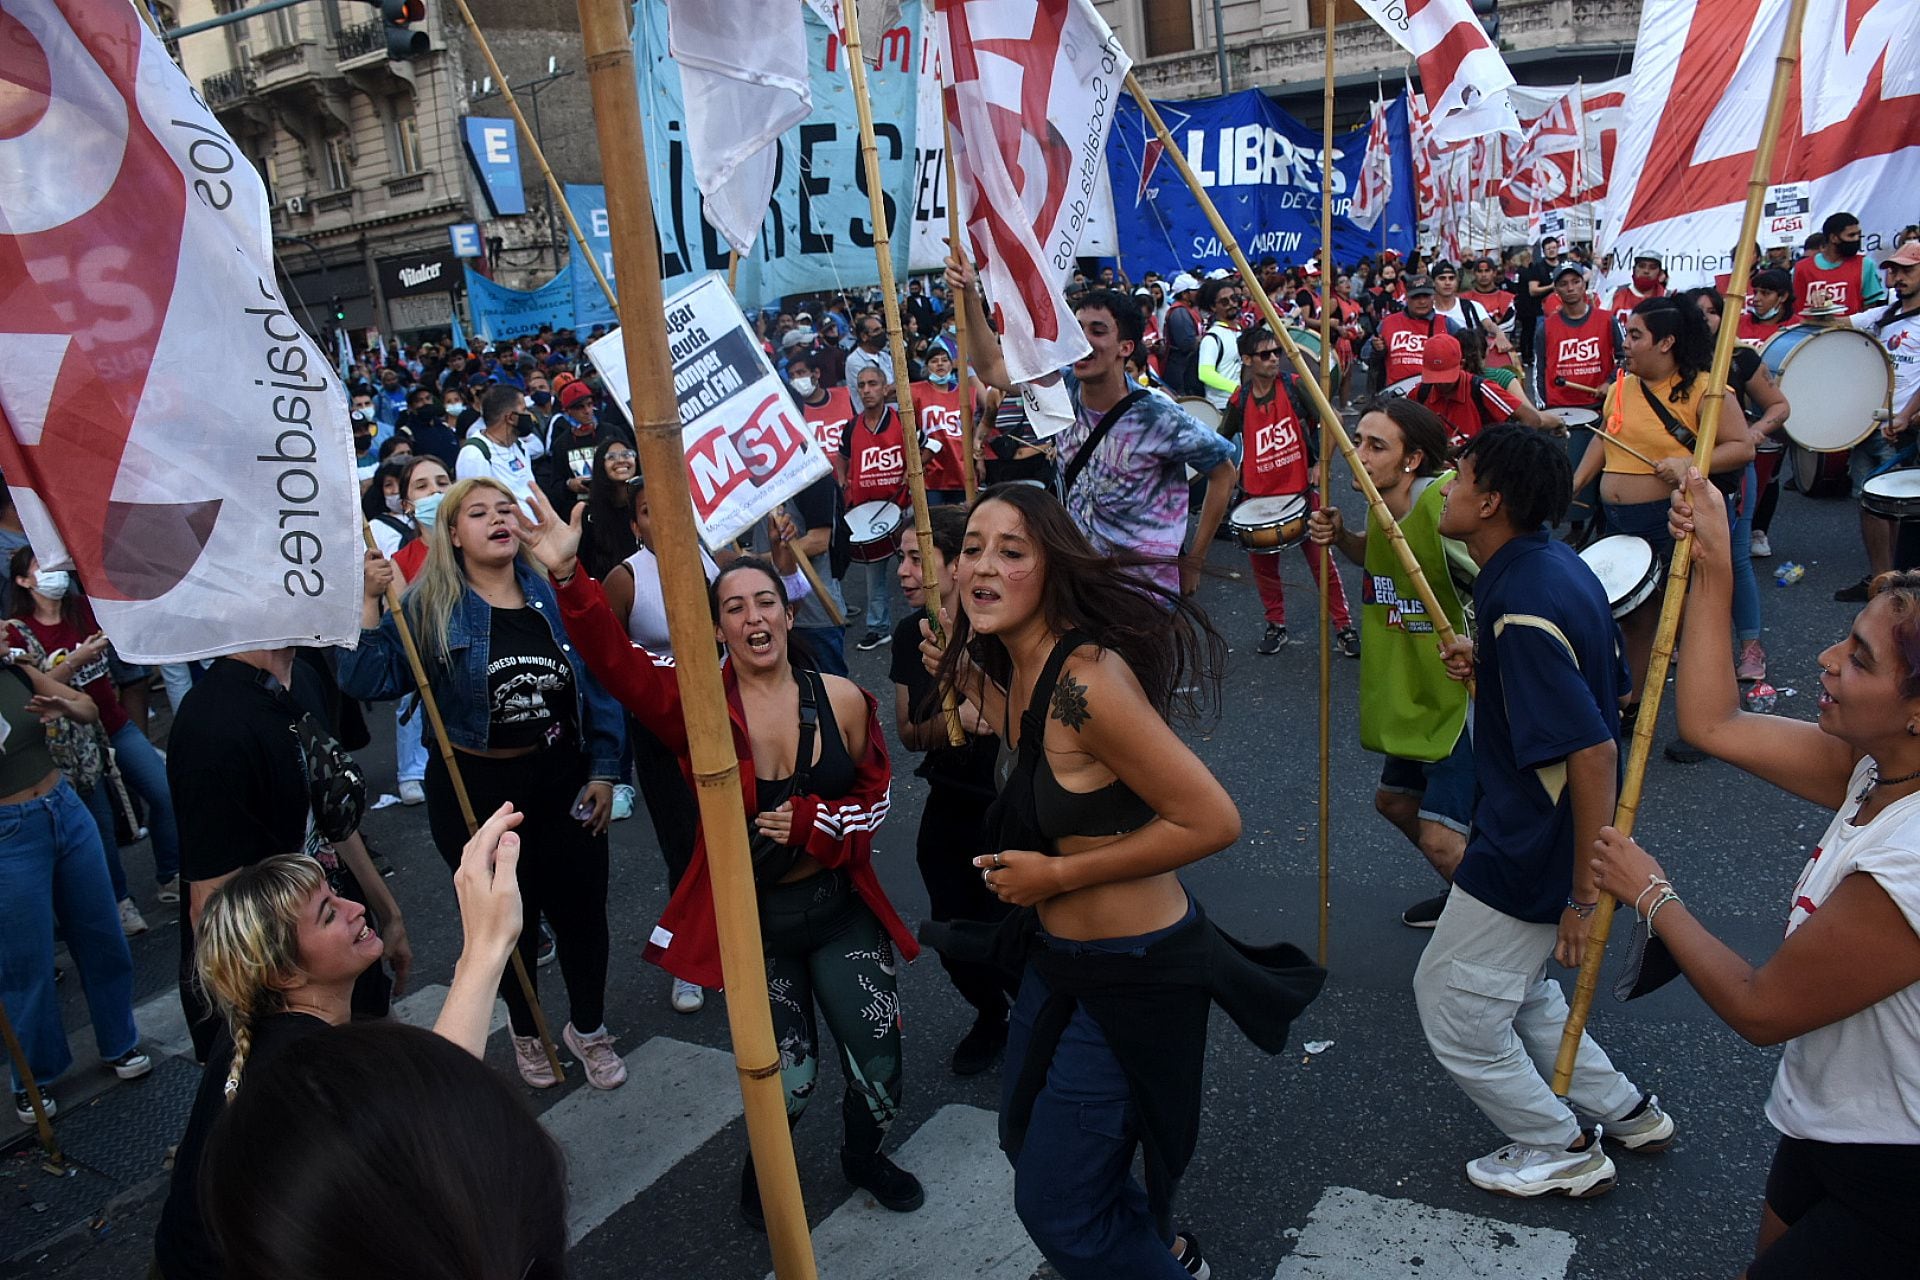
x=1627, y=569
x=1835, y=379
x=1819, y=475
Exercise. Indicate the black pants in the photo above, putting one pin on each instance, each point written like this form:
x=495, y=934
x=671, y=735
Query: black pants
x=670, y=802
x=563, y=868
x=952, y=835
x=1850, y=1210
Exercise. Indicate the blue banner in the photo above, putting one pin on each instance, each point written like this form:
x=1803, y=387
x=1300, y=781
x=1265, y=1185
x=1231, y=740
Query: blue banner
x=500, y=313
x=590, y=306
x=493, y=146
x=818, y=234
x=1261, y=167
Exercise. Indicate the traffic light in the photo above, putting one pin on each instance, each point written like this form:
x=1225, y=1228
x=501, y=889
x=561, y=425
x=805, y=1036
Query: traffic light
x=1488, y=11
x=398, y=16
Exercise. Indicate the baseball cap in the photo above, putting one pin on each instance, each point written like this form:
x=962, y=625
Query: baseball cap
x=1440, y=360
x=796, y=338
x=574, y=393
x=1218, y=273
x=1477, y=263
x=1184, y=281
x=1647, y=255
x=1907, y=255
x=1569, y=269
x=1419, y=285
x=1313, y=268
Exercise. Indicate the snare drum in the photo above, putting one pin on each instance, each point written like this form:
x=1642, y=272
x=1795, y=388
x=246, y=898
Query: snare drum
x=1627, y=571
x=1895, y=495
x=1200, y=409
x=1836, y=379
x=1576, y=419
x=872, y=530
x=1404, y=387
x=1266, y=526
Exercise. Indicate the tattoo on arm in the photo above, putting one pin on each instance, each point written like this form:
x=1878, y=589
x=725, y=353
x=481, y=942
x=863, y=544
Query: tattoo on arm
x=1070, y=703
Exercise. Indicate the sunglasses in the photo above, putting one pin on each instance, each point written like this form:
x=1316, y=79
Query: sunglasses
x=1271, y=353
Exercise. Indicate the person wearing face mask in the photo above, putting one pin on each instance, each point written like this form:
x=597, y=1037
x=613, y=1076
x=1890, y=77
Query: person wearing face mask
x=383, y=507
x=1852, y=280
x=825, y=408
x=936, y=401
x=1769, y=307
x=52, y=621
x=423, y=482
x=872, y=352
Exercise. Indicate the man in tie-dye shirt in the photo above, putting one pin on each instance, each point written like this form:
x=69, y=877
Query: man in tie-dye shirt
x=1131, y=492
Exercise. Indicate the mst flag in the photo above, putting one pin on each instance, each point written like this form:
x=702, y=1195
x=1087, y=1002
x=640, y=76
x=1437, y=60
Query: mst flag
x=1376, y=174
x=1031, y=89
x=743, y=76
x=1463, y=76
x=203, y=517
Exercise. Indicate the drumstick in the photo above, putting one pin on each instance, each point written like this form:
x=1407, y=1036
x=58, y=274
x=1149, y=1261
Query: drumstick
x=1618, y=444
x=1579, y=386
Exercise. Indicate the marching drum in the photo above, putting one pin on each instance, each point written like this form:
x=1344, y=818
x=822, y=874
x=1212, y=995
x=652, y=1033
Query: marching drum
x=1576, y=418
x=1404, y=387
x=1200, y=409
x=873, y=529
x=1893, y=494
x=1836, y=380
x=1265, y=526
x=1626, y=569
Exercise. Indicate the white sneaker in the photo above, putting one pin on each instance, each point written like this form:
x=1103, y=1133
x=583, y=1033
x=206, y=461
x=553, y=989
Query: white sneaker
x=411, y=792
x=688, y=997
x=530, y=1057
x=132, y=923
x=1762, y=548
x=169, y=890
x=1648, y=1131
x=1520, y=1170
x=622, y=802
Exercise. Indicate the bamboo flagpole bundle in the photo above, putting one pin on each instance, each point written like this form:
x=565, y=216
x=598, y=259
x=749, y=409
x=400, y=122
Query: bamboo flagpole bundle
x=812, y=576
x=897, y=341
x=1330, y=420
x=533, y=145
x=1326, y=492
x=1681, y=565
x=959, y=313
x=55, y=1163
x=715, y=768
x=439, y=727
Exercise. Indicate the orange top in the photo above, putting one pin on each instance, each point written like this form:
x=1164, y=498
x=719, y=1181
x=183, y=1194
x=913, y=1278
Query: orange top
x=1629, y=419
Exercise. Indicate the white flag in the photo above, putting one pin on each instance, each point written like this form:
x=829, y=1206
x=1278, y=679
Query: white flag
x=1464, y=77
x=1376, y=174
x=1031, y=87
x=166, y=428
x=743, y=78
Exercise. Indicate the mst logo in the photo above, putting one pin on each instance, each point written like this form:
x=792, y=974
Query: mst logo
x=878, y=460
x=1276, y=443
x=1585, y=351
x=1406, y=342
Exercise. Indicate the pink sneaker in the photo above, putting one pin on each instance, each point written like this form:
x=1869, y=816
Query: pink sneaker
x=604, y=1068
x=1752, y=666
x=531, y=1058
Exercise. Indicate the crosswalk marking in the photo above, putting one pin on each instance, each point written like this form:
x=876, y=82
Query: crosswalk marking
x=966, y=1228
x=163, y=1025
x=421, y=1008
x=621, y=1141
x=1355, y=1236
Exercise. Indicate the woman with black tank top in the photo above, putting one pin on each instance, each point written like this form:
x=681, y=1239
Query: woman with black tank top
x=816, y=780
x=1101, y=806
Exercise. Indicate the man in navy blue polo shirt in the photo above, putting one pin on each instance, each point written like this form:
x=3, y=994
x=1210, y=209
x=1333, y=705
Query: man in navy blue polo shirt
x=1546, y=722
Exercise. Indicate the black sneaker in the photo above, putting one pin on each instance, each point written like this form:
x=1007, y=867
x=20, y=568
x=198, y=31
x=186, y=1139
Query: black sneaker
x=1349, y=641
x=873, y=640
x=1191, y=1257
x=1857, y=593
x=23, y=1105
x=1426, y=913
x=132, y=1064
x=885, y=1181
x=1274, y=641
x=750, y=1197
x=548, y=947
x=980, y=1046
x=1680, y=751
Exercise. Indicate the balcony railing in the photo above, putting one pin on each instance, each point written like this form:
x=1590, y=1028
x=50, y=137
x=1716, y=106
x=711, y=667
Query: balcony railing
x=227, y=87
x=361, y=39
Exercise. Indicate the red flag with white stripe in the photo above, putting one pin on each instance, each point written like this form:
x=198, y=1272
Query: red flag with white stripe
x=1461, y=72
x=1376, y=174
x=165, y=427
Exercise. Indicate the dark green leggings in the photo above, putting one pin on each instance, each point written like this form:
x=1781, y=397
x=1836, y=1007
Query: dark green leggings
x=825, y=947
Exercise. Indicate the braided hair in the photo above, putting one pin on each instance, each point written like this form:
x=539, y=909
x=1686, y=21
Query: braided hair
x=247, y=945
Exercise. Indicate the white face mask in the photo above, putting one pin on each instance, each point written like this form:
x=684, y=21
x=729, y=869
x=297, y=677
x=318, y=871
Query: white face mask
x=803, y=386
x=52, y=583
x=425, y=509
x=395, y=502
x=453, y=408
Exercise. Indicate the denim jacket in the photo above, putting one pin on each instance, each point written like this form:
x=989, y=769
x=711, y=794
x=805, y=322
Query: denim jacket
x=378, y=670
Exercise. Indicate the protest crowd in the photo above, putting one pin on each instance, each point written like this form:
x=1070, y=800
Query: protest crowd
x=1526, y=415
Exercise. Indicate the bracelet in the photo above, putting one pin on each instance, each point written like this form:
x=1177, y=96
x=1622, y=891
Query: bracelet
x=1653, y=882
x=561, y=582
x=1661, y=901
x=1582, y=909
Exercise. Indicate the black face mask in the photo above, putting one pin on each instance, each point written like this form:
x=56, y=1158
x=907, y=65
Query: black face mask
x=1844, y=248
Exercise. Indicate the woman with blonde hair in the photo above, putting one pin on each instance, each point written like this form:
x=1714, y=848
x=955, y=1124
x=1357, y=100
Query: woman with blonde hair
x=278, y=953
x=530, y=726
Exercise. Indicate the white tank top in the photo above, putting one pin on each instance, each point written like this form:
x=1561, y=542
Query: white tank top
x=647, y=621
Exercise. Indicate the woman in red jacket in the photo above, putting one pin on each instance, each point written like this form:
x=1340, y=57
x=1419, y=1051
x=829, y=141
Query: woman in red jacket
x=829, y=932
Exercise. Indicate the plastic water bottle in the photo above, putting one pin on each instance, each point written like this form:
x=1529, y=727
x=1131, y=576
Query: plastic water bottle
x=1761, y=697
x=1788, y=574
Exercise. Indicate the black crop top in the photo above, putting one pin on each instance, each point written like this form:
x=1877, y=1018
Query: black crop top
x=831, y=776
x=1057, y=813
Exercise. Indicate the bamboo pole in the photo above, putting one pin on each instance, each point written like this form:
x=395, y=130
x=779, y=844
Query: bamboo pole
x=715, y=767
x=897, y=343
x=55, y=1163
x=439, y=727
x=959, y=311
x=819, y=588
x=1325, y=575
x=1330, y=420
x=533, y=145
x=1681, y=565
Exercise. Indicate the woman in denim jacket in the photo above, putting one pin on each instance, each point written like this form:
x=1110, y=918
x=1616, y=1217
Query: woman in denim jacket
x=531, y=727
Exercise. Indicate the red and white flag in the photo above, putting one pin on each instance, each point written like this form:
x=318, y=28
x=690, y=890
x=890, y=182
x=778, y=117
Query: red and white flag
x=166, y=428
x=743, y=77
x=1701, y=73
x=1461, y=72
x=1031, y=90
x=1376, y=174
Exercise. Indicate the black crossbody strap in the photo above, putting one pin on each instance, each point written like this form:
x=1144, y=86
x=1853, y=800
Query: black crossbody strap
x=1674, y=426
x=1099, y=433
x=1033, y=721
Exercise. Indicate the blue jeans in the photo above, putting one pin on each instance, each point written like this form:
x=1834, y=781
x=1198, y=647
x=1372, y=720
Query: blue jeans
x=53, y=868
x=1073, y=1185
x=1746, y=592
x=146, y=776
x=409, y=747
x=828, y=645
x=99, y=803
x=880, y=576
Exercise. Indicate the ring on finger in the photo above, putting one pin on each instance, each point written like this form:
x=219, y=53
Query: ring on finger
x=998, y=861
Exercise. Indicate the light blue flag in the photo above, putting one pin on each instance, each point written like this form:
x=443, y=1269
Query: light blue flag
x=457, y=336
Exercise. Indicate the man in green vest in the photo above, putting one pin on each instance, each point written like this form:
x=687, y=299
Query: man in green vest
x=1409, y=708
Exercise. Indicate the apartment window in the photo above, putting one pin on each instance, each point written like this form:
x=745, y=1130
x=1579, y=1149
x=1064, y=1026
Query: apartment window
x=283, y=28
x=339, y=164
x=1169, y=26
x=406, y=138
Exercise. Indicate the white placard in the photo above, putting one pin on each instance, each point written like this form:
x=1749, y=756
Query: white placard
x=1786, y=215
x=748, y=449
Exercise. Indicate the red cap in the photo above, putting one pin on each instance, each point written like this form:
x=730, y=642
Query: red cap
x=1907, y=255
x=1440, y=361
x=576, y=391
